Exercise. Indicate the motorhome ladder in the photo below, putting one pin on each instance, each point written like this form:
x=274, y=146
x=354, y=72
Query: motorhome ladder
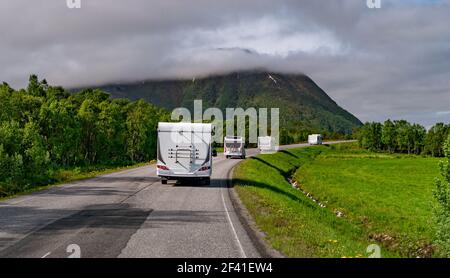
x=184, y=152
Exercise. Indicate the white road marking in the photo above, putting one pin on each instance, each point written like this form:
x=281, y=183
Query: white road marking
x=46, y=255
x=241, y=250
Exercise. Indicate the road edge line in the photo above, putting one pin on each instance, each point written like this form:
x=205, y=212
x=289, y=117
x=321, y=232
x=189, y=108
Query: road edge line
x=256, y=236
x=241, y=249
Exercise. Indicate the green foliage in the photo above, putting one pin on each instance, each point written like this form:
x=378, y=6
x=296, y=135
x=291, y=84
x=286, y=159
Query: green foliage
x=141, y=128
x=36, y=88
x=442, y=210
x=418, y=137
x=370, y=136
x=44, y=129
x=389, y=136
x=36, y=159
x=434, y=141
x=11, y=169
x=403, y=137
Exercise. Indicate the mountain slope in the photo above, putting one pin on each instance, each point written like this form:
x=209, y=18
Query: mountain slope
x=304, y=107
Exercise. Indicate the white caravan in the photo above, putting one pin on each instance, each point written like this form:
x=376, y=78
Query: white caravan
x=266, y=144
x=315, y=139
x=234, y=146
x=184, y=151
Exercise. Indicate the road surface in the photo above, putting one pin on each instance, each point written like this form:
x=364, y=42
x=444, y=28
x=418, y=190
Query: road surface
x=128, y=214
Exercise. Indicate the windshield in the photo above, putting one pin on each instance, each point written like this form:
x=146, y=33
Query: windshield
x=233, y=145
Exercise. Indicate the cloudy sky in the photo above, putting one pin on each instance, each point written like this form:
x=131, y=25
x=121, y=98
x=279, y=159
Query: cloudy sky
x=392, y=62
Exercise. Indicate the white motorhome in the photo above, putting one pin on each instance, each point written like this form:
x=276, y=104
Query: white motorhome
x=234, y=146
x=184, y=151
x=315, y=139
x=266, y=144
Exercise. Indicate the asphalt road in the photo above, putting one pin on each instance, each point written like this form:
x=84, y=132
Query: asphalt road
x=128, y=214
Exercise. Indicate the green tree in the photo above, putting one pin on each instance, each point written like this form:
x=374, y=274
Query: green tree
x=404, y=136
x=442, y=210
x=61, y=130
x=389, y=136
x=112, y=127
x=5, y=102
x=36, y=88
x=36, y=158
x=418, y=138
x=370, y=136
x=11, y=172
x=88, y=116
x=285, y=137
x=141, y=130
x=435, y=138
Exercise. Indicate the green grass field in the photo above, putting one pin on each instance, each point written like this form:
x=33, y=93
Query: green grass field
x=386, y=199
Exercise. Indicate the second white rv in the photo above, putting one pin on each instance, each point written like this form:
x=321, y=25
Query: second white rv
x=266, y=144
x=315, y=139
x=234, y=146
x=184, y=151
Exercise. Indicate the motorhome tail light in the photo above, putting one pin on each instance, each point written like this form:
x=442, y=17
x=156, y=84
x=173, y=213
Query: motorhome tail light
x=204, y=168
x=162, y=167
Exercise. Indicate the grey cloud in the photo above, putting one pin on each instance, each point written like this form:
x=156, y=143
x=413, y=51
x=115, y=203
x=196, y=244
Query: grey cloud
x=389, y=62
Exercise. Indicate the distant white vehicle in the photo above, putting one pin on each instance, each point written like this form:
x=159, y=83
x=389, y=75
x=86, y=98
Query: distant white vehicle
x=315, y=139
x=184, y=151
x=266, y=144
x=234, y=146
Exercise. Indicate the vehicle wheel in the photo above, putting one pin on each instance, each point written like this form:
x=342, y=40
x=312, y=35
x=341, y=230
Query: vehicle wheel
x=164, y=181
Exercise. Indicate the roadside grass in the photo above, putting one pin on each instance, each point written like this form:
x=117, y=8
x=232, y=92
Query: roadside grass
x=62, y=176
x=381, y=196
x=388, y=195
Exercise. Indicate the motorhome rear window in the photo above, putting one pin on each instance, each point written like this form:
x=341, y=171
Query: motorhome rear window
x=233, y=145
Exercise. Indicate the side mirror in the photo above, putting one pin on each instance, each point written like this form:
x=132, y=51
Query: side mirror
x=214, y=153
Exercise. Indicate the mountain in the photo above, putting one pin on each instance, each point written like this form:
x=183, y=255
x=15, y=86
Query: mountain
x=304, y=106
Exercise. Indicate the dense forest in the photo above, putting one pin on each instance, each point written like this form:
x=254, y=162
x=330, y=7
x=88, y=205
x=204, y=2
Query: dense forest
x=403, y=137
x=44, y=129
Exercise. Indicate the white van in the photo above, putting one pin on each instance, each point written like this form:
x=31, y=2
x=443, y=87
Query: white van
x=184, y=151
x=266, y=144
x=234, y=146
x=315, y=139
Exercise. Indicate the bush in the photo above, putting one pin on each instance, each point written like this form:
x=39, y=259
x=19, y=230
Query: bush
x=435, y=138
x=442, y=210
x=11, y=172
x=370, y=136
